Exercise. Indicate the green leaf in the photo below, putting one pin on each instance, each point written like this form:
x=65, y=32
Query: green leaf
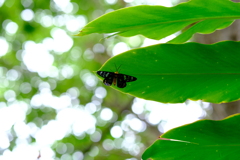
x=204, y=139
x=173, y=73
x=157, y=22
x=204, y=27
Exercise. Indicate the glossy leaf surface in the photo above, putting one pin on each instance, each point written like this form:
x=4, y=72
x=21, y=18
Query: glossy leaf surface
x=204, y=139
x=157, y=22
x=173, y=73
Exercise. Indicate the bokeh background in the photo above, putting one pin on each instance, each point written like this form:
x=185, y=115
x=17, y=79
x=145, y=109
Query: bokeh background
x=53, y=107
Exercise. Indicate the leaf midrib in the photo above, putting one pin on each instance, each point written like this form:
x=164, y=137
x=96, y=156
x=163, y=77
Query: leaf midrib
x=158, y=23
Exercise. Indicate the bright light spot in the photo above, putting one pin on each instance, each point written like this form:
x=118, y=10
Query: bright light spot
x=153, y=118
x=62, y=42
x=77, y=155
x=98, y=48
x=91, y=108
x=137, y=125
x=22, y=130
x=61, y=148
x=138, y=106
x=13, y=113
x=94, y=151
x=161, y=3
x=4, y=140
x=119, y=48
x=135, y=41
x=11, y=28
x=106, y=114
x=35, y=56
x=47, y=153
x=26, y=3
x=62, y=4
x=76, y=53
x=27, y=15
x=118, y=143
x=88, y=55
x=59, y=20
x=4, y=46
x=170, y=112
x=46, y=21
x=75, y=7
x=75, y=24
x=49, y=133
x=79, y=125
x=53, y=72
x=89, y=79
x=68, y=8
x=47, y=99
x=148, y=42
x=24, y=151
x=36, y=101
x=10, y=95
x=1, y=2
x=48, y=43
x=100, y=92
x=134, y=150
x=13, y=75
x=96, y=136
x=67, y=72
x=74, y=92
x=33, y=128
x=108, y=144
x=128, y=1
x=44, y=85
x=116, y=132
x=129, y=140
x=111, y=1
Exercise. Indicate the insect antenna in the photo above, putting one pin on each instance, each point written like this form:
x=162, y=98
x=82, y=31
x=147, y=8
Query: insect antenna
x=117, y=68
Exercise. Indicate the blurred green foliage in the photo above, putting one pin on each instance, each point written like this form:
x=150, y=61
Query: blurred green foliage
x=40, y=93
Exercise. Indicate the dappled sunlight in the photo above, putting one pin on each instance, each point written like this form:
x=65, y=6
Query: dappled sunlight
x=61, y=41
x=106, y=114
x=120, y=48
x=10, y=27
x=74, y=24
x=150, y=2
x=168, y=113
x=4, y=46
x=35, y=55
x=27, y=15
x=89, y=79
x=52, y=104
x=116, y=131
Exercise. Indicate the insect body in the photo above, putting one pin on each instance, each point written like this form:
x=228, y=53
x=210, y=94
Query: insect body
x=116, y=78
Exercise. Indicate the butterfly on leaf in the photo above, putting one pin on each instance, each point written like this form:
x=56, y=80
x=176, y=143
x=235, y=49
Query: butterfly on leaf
x=116, y=78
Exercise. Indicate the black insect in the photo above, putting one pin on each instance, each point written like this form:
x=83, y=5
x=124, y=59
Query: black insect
x=116, y=78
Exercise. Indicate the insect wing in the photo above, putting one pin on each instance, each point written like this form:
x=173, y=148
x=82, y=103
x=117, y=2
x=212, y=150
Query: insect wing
x=105, y=74
x=128, y=78
x=108, y=81
x=121, y=83
x=108, y=77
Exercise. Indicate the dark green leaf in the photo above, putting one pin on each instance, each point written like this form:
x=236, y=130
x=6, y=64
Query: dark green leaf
x=157, y=22
x=204, y=139
x=173, y=73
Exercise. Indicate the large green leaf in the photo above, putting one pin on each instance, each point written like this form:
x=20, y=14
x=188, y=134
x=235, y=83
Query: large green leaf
x=157, y=22
x=204, y=139
x=205, y=27
x=172, y=73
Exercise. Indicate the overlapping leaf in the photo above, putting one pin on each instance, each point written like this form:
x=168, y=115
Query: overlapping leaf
x=157, y=22
x=172, y=73
x=204, y=139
